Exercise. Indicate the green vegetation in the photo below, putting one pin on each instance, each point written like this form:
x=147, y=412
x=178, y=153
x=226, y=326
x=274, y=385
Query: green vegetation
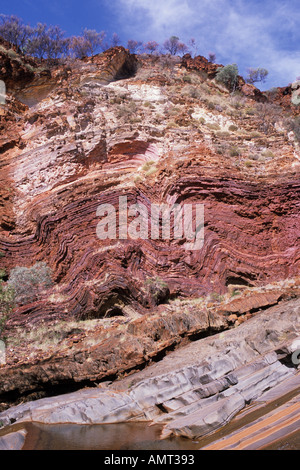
x=215, y=297
x=235, y=152
x=126, y=110
x=228, y=76
x=294, y=125
x=7, y=302
x=28, y=283
x=157, y=289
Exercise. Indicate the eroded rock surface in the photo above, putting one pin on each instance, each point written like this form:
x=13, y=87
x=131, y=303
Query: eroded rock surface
x=193, y=391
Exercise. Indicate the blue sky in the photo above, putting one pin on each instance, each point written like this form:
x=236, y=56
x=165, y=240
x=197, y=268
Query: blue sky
x=250, y=33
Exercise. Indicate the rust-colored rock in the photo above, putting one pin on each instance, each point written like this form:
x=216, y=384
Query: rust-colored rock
x=252, y=92
x=200, y=64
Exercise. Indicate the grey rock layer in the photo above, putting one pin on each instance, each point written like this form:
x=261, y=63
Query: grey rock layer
x=13, y=440
x=192, y=391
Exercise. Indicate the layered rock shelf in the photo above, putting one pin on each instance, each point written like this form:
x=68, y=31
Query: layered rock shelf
x=195, y=390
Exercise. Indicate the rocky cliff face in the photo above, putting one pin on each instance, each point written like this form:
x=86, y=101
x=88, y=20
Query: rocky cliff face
x=156, y=130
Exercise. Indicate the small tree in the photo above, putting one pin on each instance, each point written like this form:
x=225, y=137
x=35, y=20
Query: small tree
x=39, y=43
x=267, y=114
x=47, y=42
x=13, y=30
x=57, y=44
x=79, y=47
x=116, y=41
x=134, y=46
x=256, y=75
x=228, y=75
x=193, y=46
x=174, y=46
x=212, y=57
x=93, y=39
x=87, y=44
x=151, y=47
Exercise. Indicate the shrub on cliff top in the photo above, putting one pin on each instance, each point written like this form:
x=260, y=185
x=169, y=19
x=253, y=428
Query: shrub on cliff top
x=228, y=76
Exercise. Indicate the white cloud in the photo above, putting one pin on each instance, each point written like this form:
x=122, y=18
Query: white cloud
x=251, y=34
x=157, y=19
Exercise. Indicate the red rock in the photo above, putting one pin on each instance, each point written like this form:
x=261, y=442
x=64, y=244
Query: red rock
x=252, y=92
x=201, y=64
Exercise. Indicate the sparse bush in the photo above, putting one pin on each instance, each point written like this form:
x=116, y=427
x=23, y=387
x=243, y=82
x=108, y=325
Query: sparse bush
x=234, y=152
x=235, y=292
x=215, y=297
x=233, y=128
x=79, y=46
x=250, y=111
x=147, y=165
x=294, y=125
x=219, y=108
x=193, y=46
x=191, y=91
x=157, y=289
x=27, y=283
x=254, y=156
x=115, y=40
x=7, y=302
x=147, y=104
x=222, y=134
x=187, y=79
x=221, y=148
x=127, y=109
x=213, y=126
x=267, y=115
x=268, y=154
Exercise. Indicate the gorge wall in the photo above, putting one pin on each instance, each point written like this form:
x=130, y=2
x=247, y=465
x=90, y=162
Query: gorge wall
x=155, y=131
